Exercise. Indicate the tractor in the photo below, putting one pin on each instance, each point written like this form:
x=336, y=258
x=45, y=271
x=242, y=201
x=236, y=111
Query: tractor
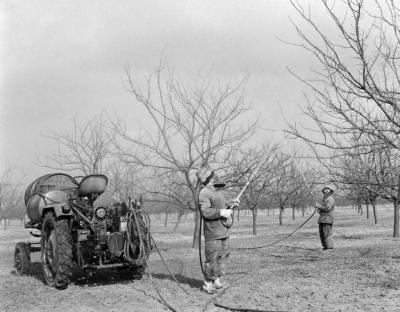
x=74, y=230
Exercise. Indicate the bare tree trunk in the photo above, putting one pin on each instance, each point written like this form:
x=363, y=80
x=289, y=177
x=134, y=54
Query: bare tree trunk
x=293, y=213
x=367, y=207
x=238, y=215
x=254, y=211
x=374, y=211
x=281, y=215
x=166, y=218
x=396, y=219
x=268, y=211
x=195, y=243
x=303, y=209
x=178, y=221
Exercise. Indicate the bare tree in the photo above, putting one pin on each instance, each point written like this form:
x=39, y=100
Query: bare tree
x=294, y=185
x=125, y=181
x=373, y=175
x=299, y=193
x=192, y=125
x=388, y=179
x=85, y=149
x=11, y=199
x=356, y=87
x=281, y=188
x=172, y=190
x=261, y=165
x=356, y=173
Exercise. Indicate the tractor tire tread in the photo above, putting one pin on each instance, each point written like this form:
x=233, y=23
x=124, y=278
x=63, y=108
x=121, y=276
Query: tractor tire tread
x=64, y=245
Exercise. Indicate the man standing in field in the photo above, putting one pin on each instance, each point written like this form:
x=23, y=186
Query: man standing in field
x=325, y=220
x=213, y=208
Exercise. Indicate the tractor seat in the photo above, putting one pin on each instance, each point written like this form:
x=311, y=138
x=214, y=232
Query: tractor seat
x=94, y=184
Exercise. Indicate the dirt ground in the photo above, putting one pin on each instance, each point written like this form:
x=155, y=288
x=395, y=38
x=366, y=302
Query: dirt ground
x=362, y=273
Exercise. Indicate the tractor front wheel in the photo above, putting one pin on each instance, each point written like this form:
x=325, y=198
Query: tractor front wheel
x=56, y=247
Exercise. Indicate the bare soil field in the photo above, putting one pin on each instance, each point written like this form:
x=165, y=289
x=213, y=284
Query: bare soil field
x=362, y=273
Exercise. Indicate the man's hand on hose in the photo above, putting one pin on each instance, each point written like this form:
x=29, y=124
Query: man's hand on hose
x=234, y=203
x=226, y=213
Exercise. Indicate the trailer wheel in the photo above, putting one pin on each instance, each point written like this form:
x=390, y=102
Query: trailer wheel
x=22, y=258
x=56, y=247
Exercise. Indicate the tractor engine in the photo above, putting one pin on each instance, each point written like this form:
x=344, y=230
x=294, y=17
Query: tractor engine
x=109, y=231
x=101, y=223
x=101, y=240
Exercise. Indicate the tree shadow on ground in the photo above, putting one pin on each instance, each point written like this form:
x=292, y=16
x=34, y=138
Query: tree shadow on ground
x=192, y=282
x=104, y=277
x=79, y=278
x=114, y=276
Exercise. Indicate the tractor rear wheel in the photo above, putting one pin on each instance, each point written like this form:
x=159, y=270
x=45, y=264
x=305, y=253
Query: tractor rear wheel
x=56, y=247
x=22, y=258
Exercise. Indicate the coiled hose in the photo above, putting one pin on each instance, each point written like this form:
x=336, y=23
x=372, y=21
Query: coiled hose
x=137, y=253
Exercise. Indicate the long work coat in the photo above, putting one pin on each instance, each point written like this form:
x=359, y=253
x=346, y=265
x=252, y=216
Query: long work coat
x=326, y=210
x=211, y=202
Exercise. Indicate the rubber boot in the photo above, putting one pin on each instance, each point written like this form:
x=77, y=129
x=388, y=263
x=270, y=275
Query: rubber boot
x=209, y=287
x=218, y=283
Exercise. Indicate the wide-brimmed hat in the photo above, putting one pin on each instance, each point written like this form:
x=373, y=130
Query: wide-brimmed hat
x=204, y=174
x=328, y=187
x=219, y=182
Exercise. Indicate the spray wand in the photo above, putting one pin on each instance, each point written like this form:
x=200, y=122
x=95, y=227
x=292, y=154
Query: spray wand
x=228, y=222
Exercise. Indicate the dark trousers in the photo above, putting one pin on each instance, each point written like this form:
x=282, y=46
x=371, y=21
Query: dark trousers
x=326, y=235
x=216, y=252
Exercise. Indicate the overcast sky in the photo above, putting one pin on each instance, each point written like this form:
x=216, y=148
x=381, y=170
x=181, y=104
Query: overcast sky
x=62, y=59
